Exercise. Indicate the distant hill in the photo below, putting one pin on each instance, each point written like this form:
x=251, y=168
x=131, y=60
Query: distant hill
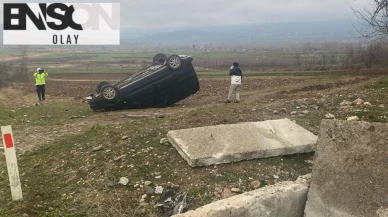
x=296, y=32
x=270, y=33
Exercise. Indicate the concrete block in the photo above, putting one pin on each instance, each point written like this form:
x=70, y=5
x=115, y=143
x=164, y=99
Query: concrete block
x=350, y=170
x=219, y=144
x=283, y=199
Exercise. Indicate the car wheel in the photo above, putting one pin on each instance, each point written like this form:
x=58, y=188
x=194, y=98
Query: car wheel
x=100, y=85
x=110, y=93
x=160, y=59
x=174, y=62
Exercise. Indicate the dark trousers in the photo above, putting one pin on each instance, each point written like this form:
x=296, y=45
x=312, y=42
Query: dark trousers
x=41, y=89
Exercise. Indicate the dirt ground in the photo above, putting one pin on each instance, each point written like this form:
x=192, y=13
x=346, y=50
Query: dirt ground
x=78, y=86
x=261, y=95
x=213, y=89
x=256, y=91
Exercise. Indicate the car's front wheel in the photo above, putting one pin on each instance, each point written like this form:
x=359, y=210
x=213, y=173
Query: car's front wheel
x=110, y=93
x=160, y=59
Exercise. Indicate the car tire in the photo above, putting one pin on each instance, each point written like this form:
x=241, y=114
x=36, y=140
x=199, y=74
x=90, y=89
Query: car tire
x=160, y=59
x=100, y=85
x=174, y=62
x=110, y=93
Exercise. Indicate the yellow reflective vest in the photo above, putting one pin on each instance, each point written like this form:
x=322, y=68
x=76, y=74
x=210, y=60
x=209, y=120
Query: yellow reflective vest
x=40, y=79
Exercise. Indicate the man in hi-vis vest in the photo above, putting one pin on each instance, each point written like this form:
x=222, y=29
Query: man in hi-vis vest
x=40, y=83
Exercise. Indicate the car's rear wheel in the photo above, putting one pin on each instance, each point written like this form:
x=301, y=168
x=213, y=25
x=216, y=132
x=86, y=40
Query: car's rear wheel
x=174, y=62
x=110, y=93
x=160, y=59
x=100, y=85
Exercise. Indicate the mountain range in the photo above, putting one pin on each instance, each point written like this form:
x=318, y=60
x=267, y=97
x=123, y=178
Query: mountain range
x=292, y=32
x=295, y=32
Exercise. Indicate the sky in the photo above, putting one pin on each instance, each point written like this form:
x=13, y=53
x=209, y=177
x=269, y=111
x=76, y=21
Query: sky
x=158, y=14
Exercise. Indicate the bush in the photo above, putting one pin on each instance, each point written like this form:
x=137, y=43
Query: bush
x=5, y=70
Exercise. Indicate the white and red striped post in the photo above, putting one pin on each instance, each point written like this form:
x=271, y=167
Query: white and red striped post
x=12, y=166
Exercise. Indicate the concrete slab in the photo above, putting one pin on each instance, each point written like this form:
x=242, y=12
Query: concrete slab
x=350, y=170
x=219, y=144
x=283, y=199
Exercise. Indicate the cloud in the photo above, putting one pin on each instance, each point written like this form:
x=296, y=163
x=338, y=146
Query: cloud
x=151, y=14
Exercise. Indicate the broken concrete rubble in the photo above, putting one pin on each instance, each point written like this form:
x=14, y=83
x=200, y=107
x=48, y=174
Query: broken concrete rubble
x=348, y=180
x=206, y=146
x=349, y=171
x=283, y=199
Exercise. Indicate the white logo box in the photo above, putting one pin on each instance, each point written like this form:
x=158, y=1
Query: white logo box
x=100, y=24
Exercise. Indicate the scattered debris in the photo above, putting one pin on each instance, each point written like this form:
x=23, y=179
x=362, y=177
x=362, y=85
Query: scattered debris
x=382, y=212
x=367, y=104
x=294, y=113
x=164, y=141
x=275, y=112
x=98, y=148
x=329, y=116
x=125, y=138
x=158, y=190
x=353, y=118
x=276, y=177
x=345, y=103
x=77, y=116
x=358, y=101
x=147, y=183
x=305, y=112
x=118, y=158
x=124, y=181
x=226, y=193
x=148, y=190
x=171, y=202
x=382, y=106
x=255, y=184
x=309, y=161
x=235, y=190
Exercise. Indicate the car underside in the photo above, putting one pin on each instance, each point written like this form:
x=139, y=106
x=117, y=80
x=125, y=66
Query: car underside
x=167, y=81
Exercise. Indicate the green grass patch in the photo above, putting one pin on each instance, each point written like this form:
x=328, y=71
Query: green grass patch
x=379, y=84
x=45, y=115
x=61, y=177
x=372, y=114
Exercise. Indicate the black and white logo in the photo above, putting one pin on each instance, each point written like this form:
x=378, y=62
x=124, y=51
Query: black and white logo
x=61, y=24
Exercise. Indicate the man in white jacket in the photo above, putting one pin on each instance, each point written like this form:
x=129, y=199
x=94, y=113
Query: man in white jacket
x=235, y=86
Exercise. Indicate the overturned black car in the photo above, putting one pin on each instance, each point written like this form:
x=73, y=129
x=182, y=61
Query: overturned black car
x=167, y=81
